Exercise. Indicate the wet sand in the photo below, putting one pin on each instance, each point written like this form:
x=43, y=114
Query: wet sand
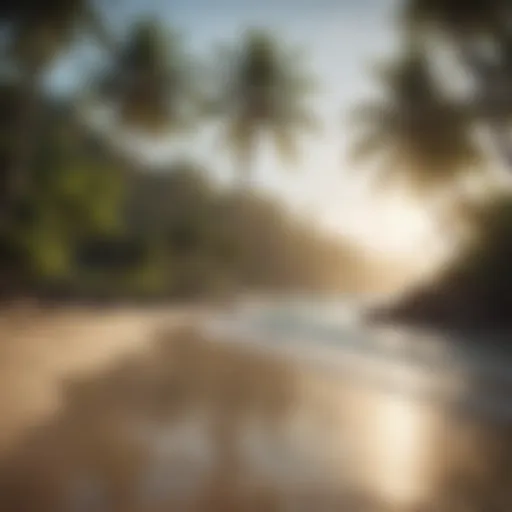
x=40, y=349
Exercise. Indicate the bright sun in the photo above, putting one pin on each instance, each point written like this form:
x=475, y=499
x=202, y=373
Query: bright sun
x=395, y=227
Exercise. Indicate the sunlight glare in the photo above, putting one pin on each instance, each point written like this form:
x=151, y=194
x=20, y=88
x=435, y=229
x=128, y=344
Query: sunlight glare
x=395, y=227
x=399, y=448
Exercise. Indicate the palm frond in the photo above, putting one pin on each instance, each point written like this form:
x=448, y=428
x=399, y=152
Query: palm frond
x=263, y=82
x=151, y=80
x=417, y=133
x=455, y=17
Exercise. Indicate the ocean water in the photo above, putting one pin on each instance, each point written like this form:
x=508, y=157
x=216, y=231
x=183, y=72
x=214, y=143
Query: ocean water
x=332, y=330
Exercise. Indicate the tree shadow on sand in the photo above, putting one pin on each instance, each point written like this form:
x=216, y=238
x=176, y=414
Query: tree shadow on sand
x=163, y=431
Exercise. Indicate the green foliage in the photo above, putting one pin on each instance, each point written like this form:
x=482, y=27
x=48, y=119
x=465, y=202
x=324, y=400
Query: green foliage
x=71, y=197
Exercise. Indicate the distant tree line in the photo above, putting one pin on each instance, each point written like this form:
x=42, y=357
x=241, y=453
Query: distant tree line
x=96, y=225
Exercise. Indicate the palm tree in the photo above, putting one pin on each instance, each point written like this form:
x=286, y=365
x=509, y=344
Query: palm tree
x=472, y=28
x=262, y=92
x=35, y=35
x=149, y=80
x=416, y=134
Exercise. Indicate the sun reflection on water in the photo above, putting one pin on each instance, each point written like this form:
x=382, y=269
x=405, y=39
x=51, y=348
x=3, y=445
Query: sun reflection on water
x=397, y=447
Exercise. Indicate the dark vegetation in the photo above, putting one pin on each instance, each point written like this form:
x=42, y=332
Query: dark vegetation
x=473, y=292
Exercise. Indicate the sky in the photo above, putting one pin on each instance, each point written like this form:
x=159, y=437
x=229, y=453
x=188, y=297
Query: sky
x=342, y=38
